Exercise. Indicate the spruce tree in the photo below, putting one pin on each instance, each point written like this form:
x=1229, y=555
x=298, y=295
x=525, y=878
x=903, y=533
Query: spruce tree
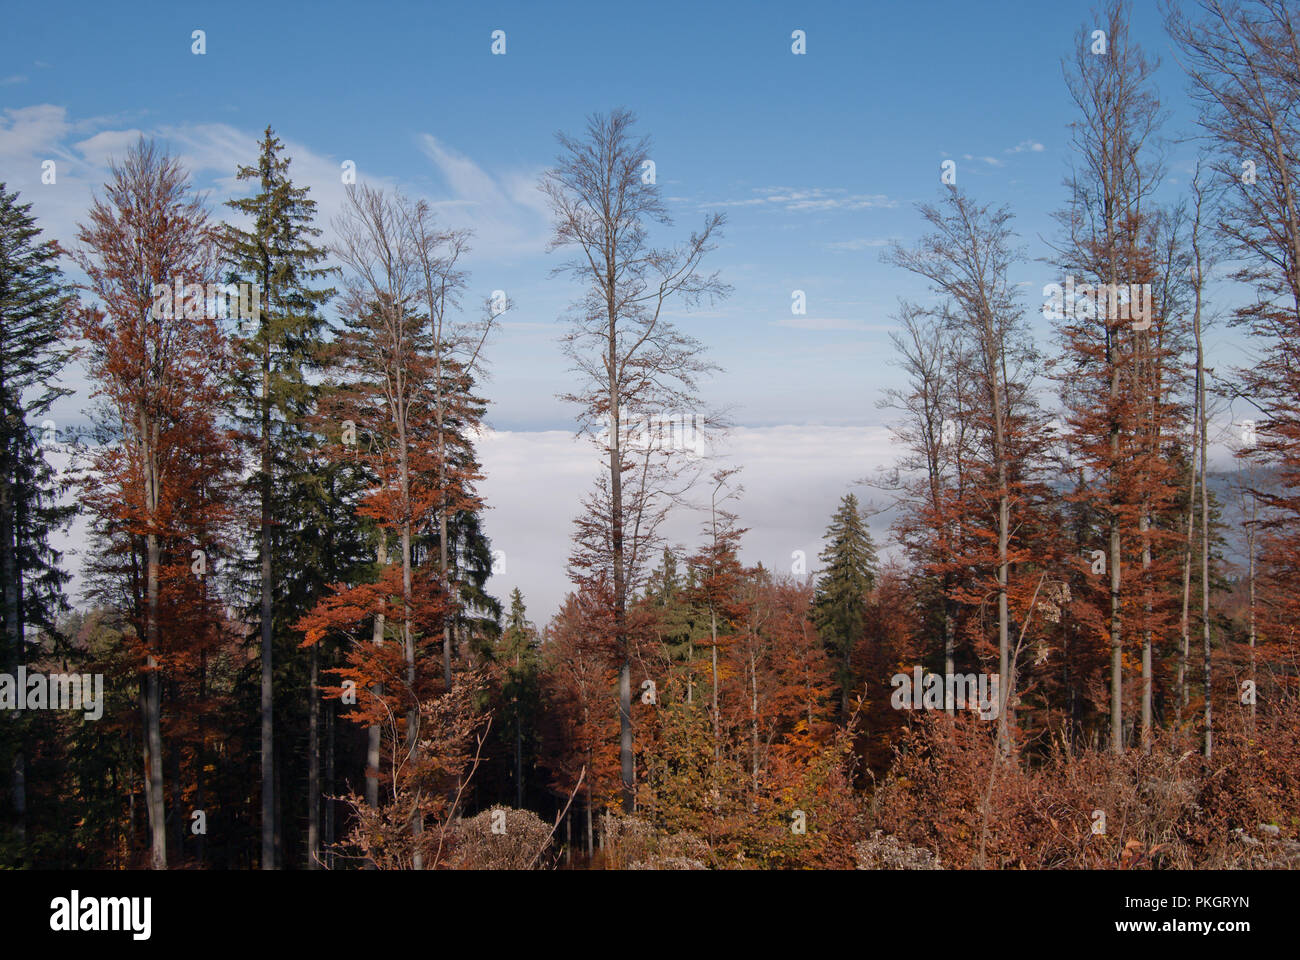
x=517, y=653
x=475, y=612
x=276, y=252
x=677, y=622
x=32, y=300
x=842, y=591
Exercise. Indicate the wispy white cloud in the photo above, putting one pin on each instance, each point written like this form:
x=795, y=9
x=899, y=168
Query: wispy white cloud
x=507, y=211
x=29, y=136
x=1025, y=146
x=213, y=153
x=100, y=149
x=991, y=161
x=31, y=131
x=801, y=199
x=860, y=243
x=220, y=148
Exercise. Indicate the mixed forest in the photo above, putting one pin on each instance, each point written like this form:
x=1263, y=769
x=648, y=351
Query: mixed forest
x=285, y=581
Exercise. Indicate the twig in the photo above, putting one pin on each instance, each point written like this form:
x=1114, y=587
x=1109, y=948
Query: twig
x=560, y=816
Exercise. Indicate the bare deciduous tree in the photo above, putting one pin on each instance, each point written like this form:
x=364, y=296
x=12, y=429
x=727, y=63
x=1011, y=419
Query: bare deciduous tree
x=966, y=260
x=1103, y=240
x=631, y=360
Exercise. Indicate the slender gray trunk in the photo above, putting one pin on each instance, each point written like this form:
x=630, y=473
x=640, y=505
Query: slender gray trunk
x=753, y=718
x=590, y=851
x=268, y=728
x=717, y=736
x=1205, y=494
x=1250, y=546
x=1185, y=622
x=153, y=562
x=313, y=763
x=1116, y=627
x=1144, y=525
x=330, y=715
x=372, y=735
x=1205, y=523
x=949, y=663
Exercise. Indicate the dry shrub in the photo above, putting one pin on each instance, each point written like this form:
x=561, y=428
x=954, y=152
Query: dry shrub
x=880, y=852
x=633, y=844
x=947, y=793
x=680, y=851
x=525, y=845
x=1265, y=849
x=626, y=840
x=668, y=863
x=1250, y=790
x=684, y=846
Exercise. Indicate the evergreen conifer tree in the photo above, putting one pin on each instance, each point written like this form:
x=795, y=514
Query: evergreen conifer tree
x=842, y=591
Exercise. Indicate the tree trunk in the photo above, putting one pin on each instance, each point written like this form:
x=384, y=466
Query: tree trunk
x=1116, y=629
x=279, y=809
x=1250, y=545
x=1205, y=521
x=16, y=653
x=178, y=794
x=1144, y=525
x=268, y=730
x=202, y=753
x=713, y=681
x=949, y=664
x=147, y=764
x=313, y=764
x=1185, y=622
x=443, y=558
x=153, y=561
x=408, y=636
x=330, y=715
x=625, y=733
x=372, y=738
x=1007, y=681
x=590, y=851
x=616, y=536
x=519, y=752
x=753, y=719
x=1205, y=494
x=1153, y=432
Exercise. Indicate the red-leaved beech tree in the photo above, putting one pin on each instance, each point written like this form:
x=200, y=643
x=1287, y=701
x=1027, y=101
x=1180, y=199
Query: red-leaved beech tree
x=160, y=489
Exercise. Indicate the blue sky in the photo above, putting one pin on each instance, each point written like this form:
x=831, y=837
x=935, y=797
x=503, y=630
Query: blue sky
x=817, y=160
